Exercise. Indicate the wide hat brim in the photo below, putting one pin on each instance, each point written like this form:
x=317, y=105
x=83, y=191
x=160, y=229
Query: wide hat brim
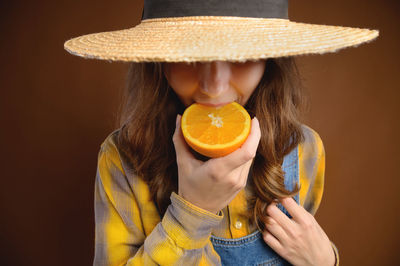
x=209, y=38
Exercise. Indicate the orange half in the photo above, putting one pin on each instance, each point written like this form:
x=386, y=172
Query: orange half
x=215, y=131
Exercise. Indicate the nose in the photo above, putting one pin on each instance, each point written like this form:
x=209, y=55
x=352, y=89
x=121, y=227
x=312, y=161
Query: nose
x=214, y=78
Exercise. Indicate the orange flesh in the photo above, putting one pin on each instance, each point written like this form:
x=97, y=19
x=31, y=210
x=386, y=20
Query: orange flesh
x=215, y=131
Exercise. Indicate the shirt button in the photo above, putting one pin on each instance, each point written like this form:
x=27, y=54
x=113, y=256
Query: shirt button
x=238, y=224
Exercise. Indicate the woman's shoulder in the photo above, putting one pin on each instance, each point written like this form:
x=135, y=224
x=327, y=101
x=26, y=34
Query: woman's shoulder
x=110, y=141
x=110, y=151
x=312, y=143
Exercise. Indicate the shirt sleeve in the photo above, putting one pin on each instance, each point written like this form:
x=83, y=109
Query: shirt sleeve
x=335, y=250
x=181, y=237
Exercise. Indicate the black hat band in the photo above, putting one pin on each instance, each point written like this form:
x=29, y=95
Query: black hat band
x=237, y=8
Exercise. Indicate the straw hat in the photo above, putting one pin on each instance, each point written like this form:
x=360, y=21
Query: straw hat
x=207, y=30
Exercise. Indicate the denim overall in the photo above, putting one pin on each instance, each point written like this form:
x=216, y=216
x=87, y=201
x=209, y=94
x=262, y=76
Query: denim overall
x=251, y=249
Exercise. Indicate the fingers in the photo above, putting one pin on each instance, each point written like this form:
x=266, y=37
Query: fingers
x=242, y=155
x=272, y=241
x=181, y=148
x=280, y=218
x=245, y=171
x=276, y=230
x=295, y=210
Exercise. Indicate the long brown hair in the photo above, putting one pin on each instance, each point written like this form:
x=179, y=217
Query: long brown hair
x=147, y=123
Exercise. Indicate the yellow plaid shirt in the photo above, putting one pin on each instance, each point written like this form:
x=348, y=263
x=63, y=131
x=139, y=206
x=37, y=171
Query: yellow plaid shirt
x=130, y=231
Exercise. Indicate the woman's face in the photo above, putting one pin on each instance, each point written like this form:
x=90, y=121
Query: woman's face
x=214, y=83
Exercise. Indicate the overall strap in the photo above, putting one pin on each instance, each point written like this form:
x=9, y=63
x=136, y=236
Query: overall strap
x=252, y=249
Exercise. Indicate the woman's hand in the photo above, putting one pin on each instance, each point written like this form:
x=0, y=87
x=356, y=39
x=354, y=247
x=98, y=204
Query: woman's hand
x=301, y=241
x=213, y=184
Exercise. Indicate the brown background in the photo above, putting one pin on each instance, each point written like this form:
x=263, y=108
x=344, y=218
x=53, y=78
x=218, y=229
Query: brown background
x=56, y=109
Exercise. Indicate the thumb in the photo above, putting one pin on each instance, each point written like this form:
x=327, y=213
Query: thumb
x=181, y=148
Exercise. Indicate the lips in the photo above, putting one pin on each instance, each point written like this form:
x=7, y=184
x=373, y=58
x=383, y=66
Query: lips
x=214, y=104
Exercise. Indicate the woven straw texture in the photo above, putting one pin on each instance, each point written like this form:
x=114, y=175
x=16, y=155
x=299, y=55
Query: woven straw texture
x=189, y=39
